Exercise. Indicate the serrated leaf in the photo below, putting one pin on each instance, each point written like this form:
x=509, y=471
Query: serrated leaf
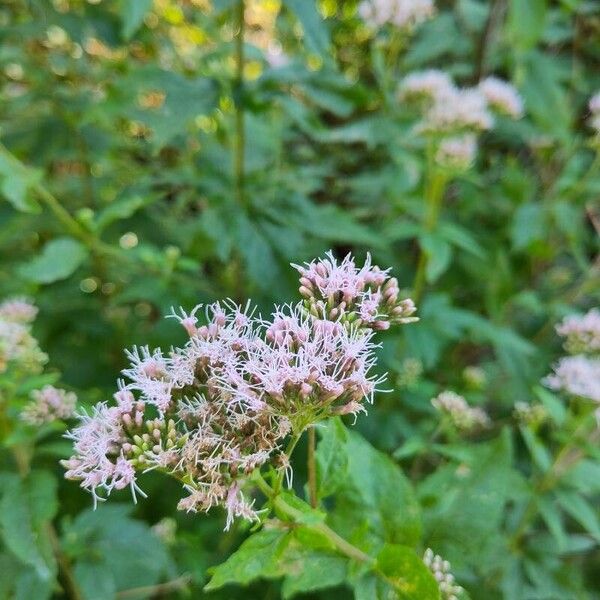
x=120, y=209
x=315, y=571
x=257, y=557
x=407, y=573
x=26, y=508
x=59, y=259
x=376, y=502
x=332, y=461
x=113, y=551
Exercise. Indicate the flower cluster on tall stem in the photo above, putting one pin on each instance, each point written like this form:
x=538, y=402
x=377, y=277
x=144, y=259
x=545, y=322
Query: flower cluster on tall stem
x=213, y=411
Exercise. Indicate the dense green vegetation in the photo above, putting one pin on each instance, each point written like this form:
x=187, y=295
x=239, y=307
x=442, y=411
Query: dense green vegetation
x=158, y=154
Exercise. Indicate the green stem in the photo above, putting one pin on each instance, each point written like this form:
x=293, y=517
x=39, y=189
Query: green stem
x=240, y=134
x=339, y=543
x=568, y=456
x=288, y=452
x=434, y=194
x=311, y=467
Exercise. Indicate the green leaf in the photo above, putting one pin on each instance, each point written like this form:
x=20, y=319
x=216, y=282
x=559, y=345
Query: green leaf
x=123, y=208
x=16, y=182
x=256, y=557
x=551, y=514
x=113, y=552
x=580, y=509
x=316, y=34
x=376, y=502
x=439, y=254
x=464, y=504
x=528, y=226
x=526, y=22
x=407, y=573
x=332, y=461
x=27, y=506
x=59, y=259
x=132, y=16
x=312, y=572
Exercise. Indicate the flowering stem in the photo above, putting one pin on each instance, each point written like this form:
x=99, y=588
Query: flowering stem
x=288, y=452
x=434, y=193
x=341, y=545
x=240, y=136
x=312, y=471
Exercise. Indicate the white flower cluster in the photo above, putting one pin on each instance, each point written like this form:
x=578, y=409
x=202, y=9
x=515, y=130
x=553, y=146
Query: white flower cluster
x=530, y=414
x=455, y=114
x=582, y=332
x=441, y=571
x=464, y=417
x=49, y=404
x=403, y=14
x=18, y=347
x=579, y=374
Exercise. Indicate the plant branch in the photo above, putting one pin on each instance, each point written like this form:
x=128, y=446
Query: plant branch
x=240, y=134
x=311, y=468
x=434, y=194
x=341, y=545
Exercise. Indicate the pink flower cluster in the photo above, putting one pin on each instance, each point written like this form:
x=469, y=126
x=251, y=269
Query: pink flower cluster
x=458, y=112
x=403, y=14
x=49, y=404
x=365, y=296
x=213, y=411
x=579, y=374
x=464, y=417
x=18, y=347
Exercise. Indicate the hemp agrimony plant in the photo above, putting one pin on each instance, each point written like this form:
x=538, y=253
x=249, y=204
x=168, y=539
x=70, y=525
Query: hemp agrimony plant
x=218, y=410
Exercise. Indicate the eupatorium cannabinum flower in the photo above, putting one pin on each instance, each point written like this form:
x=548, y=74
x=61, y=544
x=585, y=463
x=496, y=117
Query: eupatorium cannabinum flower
x=403, y=14
x=18, y=347
x=213, y=411
x=452, y=115
x=464, y=417
x=49, y=404
x=582, y=332
x=576, y=375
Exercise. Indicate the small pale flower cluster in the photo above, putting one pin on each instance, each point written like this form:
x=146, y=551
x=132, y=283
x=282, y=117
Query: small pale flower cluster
x=457, y=153
x=213, y=411
x=403, y=14
x=579, y=374
x=18, y=347
x=49, y=404
x=410, y=373
x=455, y=114
x=441, y=572
x=502, y=97
x=582, y=333
x=530, y=414
x=594, y=106
x=464, y=417
x=364, y=297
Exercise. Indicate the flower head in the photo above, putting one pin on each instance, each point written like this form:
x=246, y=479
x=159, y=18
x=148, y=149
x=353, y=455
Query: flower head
x=576, y=375
x=440, y=569
x=464, y=417
x=502, y=96
x=582, y=333
x=403, y=14
x=216, y=409
x=49, y=404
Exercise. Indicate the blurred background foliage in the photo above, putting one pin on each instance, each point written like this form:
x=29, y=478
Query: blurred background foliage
x=164, y=153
